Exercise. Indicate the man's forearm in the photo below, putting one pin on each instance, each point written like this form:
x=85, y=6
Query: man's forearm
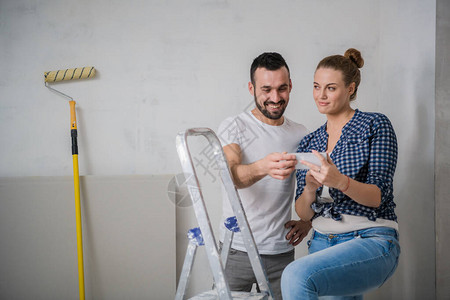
x=246, y=175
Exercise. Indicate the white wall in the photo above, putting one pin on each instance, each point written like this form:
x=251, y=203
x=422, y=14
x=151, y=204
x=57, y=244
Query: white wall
x=164, y=66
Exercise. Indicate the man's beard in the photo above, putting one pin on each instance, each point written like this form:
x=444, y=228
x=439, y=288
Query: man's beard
x=266, y=113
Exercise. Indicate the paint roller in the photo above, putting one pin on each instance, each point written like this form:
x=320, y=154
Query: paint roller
x=69, y=74
x=63, y=75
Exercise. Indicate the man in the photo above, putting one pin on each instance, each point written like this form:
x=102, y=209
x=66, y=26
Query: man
x=256, y=144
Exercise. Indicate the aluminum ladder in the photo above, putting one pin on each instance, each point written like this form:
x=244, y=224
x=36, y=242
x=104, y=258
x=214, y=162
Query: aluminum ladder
x=203, y=235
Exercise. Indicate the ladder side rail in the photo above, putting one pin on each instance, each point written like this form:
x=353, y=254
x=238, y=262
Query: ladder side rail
x=249, y=241
x=239, y=212
x=226, y=246
x=202, y=216
x=187, y=267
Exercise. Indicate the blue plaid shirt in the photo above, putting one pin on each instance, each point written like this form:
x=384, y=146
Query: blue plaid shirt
x=366, y=152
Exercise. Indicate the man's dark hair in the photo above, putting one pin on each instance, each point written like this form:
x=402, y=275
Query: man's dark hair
x=269, y=60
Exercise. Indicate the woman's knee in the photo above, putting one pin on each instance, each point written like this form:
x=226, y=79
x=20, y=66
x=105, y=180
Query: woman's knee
x=297, y=278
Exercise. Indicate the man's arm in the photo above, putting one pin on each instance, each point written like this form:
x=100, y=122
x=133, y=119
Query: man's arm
x=277, y=165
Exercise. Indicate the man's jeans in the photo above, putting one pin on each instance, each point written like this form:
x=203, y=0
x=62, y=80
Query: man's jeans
x=240, y=276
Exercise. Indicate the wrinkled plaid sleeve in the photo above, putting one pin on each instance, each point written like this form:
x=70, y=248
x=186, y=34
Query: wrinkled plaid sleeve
x=383, y=157
x=301, y=174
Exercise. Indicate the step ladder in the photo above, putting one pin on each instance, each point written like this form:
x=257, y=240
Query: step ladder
x=203, y=235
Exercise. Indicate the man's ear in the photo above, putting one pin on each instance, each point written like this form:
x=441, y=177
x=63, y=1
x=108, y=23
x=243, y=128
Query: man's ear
x=251, y=88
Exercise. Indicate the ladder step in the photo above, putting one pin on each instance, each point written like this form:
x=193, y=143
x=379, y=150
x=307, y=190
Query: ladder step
x=212, y=295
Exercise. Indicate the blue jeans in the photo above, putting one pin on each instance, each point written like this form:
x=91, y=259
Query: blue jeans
x=342, y=265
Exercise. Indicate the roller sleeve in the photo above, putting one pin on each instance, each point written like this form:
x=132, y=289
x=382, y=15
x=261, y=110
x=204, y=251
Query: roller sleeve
x=69, y=74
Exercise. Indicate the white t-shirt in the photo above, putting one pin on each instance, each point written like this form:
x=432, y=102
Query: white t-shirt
x=267, y=203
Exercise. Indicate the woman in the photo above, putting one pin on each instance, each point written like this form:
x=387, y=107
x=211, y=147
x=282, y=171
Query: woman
x=349, y=198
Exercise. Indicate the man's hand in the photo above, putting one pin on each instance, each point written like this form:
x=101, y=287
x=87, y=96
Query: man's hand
x=278, y=165
x=299, y=229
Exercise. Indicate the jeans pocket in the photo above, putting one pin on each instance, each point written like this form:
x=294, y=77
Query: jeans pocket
x=388, y=243
x=394, y=267
x=230, y=252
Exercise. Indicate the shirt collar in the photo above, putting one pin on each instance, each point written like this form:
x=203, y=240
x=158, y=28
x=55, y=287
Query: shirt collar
x=351, y=127
x=348, y=128
x=323, y=137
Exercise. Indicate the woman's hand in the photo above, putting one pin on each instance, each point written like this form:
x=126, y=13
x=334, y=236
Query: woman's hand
x=327, y=174
x=311, y=183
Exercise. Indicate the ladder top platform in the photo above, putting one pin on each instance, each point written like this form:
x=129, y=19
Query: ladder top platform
x=212, y=295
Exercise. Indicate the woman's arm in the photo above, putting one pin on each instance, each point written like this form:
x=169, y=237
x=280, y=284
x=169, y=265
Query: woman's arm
x=306, y=198
x=363, y=193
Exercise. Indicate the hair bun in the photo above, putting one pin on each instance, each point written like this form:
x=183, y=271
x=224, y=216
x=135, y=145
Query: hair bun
x=355, y=56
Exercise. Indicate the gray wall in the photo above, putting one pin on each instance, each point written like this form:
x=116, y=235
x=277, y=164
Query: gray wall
x=164, y=66
x=127, y=221
x=442, y=150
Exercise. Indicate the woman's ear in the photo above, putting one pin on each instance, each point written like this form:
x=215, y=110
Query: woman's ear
x=351, y=88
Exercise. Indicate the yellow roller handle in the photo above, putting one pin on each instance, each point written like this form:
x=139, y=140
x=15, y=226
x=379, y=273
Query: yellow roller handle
x=69, y=74
x=76, y=184
x=76, y=181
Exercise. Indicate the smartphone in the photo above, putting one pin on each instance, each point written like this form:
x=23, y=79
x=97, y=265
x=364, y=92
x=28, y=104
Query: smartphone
x=309, y=157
